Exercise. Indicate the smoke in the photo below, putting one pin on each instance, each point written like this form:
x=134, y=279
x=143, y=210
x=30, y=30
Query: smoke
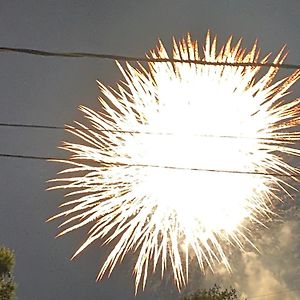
x=260, y=280
x=273, y=273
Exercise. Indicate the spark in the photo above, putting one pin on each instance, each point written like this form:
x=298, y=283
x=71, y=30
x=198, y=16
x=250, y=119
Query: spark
x=175, y=163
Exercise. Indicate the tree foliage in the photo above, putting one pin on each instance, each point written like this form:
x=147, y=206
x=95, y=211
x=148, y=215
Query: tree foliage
x=7, y=285
x=214, y=293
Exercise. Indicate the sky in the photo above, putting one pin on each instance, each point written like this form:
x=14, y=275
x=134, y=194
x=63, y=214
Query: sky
x=47, y=91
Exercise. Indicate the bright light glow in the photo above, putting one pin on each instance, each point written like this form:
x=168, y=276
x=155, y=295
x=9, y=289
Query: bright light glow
x=165, y=169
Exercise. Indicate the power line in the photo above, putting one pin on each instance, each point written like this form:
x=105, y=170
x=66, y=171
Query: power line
x=33, y=157
x=7, y=155
x=72, y=128
x=31, y=126
x=140, y=59
x=275, y=293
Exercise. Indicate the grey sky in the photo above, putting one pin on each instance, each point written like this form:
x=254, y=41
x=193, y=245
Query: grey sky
x=38, y=90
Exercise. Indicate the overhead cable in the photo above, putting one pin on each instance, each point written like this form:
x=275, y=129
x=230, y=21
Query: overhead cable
x=72, y=128
x=140, y=59
x=33, y=157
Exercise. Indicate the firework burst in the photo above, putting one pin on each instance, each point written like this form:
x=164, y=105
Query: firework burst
x=175, y=164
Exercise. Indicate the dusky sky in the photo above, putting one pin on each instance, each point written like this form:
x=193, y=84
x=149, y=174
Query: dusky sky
x=47, y=91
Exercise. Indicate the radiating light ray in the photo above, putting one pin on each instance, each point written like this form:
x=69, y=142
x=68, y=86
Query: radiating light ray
x=175, y=163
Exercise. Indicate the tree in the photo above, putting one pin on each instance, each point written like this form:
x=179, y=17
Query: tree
x=214, y=293
x=7, y=285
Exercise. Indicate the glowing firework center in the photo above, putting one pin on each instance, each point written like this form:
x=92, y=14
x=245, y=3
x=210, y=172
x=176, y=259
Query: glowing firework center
x=179, y=156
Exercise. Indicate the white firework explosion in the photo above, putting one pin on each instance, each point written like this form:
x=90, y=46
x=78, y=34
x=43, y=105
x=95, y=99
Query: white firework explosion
x=176, y=162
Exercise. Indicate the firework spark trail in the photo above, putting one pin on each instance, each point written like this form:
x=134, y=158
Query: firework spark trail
x=142, y=193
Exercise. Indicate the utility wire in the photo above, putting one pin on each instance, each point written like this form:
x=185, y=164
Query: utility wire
x=31, y=126
x=130, y=58
x=140, y=59
x=72, y=128
x=7, y=155
x=273, y=294
x=33, y=157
